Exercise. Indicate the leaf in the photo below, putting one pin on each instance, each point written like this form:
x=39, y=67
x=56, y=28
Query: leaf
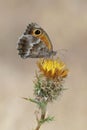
x=48, y=119
x=40, y=104
x=25, y=98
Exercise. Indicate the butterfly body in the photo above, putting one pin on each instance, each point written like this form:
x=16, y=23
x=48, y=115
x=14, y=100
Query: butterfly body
x=35, y=43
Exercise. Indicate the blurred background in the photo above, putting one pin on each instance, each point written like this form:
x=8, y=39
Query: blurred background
x=66, y=23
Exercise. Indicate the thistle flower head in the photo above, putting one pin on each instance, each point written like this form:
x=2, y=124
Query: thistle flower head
x=49, y=81
x=52, y=68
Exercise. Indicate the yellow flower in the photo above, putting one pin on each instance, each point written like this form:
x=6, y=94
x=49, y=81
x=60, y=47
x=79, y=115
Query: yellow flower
x=52, y=68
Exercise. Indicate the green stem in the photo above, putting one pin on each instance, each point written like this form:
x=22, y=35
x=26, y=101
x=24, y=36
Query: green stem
x=42, y=117
x=38, y=127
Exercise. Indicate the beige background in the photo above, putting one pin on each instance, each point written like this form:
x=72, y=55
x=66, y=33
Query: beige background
x=66, y=23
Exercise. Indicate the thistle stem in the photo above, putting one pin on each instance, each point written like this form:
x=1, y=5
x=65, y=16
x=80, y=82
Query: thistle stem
x=38, y=127
x=42, y=117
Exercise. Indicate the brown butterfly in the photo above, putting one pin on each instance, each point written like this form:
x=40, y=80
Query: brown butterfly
x=35, y=43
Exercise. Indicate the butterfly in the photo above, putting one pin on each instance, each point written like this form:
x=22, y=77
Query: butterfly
x=35, y=43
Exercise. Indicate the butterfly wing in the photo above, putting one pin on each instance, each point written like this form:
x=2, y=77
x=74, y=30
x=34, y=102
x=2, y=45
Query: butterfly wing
x=30, y=46
x=35, y=43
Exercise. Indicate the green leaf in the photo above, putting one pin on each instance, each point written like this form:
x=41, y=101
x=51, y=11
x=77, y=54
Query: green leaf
x=34, y=101
x=40, y=104
x=31, y=100
x=25, y=98
x=48, y=119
